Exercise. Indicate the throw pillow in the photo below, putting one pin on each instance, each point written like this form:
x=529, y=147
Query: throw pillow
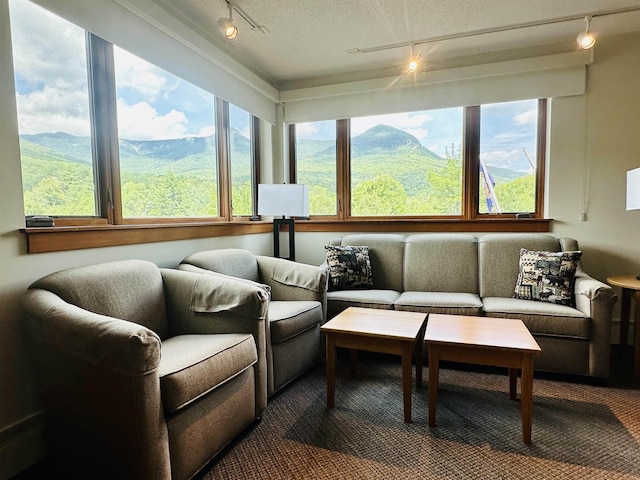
x=349, y=267
x=547, y=276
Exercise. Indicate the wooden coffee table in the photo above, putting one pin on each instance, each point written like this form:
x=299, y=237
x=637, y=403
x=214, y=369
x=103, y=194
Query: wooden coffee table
x=374, y=330
x=500, y=342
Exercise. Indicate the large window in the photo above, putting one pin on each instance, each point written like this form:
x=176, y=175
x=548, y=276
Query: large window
x=315, y=149
x=167, y=142
x=458, y=163
x=108, y=138
x=52, y=96
x=508, y=157
x=407, y=164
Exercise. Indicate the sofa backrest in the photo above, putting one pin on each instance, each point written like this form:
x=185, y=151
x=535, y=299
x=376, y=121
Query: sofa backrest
x=386, y=253
x=129, y=289
x=499, y=258
x=446, y=262
x=235, y=262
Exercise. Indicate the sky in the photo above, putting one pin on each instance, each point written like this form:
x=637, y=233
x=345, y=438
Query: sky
x=52, y=88
x=52, y=95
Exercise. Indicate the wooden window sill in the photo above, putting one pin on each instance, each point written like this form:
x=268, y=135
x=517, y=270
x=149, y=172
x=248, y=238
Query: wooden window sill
x=62, y=238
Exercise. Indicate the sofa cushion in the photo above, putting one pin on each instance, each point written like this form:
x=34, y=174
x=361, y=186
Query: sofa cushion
x=541, y=318
x=386, y=253
x=373, y=298
x=498, y=259
x=440, y=302
x=547, y=276
x=235, y=262
x=290, y=318
x=349, y=267
x=441, y=262
x=193, y=365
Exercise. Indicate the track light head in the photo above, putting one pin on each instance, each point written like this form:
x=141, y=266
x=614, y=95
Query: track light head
x=586, y=39
x=227, y=26
x=413, y=64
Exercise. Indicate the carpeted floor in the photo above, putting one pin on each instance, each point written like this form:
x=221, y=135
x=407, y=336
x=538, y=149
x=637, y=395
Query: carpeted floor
x=580, y=431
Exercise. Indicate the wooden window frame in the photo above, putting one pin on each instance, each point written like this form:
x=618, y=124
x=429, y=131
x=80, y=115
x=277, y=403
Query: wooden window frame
x=469, y=220
x=108, y=227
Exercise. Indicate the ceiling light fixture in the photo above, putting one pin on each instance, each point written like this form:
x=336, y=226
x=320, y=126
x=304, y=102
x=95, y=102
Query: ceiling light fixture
x=413, y=61
x=230, y=29
x=586, y=39
x=486, y=31
x=227, y=26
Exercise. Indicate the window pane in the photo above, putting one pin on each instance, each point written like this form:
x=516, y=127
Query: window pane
x=52, y=94
x=240, y=153
x=316, y=164
x=407, y=163
x=508, y=133
x=166, y=130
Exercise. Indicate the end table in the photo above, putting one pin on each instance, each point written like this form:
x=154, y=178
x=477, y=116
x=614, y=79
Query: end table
x=630, y=289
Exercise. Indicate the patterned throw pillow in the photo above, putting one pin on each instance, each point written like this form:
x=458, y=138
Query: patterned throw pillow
x=547, y=276
x=349, y=267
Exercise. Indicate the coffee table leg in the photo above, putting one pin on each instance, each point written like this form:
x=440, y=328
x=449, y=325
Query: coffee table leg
x=418, y=359
x=513, y=383
x=526, y=397
x=434, y=368
x=406, y=379
x=331, y=369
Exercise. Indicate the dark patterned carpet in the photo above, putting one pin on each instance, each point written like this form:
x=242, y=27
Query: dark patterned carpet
x=580, y=431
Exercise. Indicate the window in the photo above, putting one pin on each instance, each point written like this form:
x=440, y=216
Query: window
x=167, y=142
x=315, y=150
x=461, y=163
x=508, y=157
x=52, y=95
x=407, y=164
x=240, y=158
x=109, y=138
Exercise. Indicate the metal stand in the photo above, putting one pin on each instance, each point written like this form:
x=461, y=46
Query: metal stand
x=277, y=223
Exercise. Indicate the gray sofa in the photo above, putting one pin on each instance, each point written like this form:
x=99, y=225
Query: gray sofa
x=462, y=274
x=146, y=373
x=297, y=306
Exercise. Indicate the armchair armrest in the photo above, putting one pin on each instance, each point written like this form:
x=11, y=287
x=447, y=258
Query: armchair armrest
x=111, y=344
x=98, y=380
x=294, y=281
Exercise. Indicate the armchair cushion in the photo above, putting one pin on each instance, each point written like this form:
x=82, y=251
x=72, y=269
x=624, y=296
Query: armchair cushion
x=288, y=319
x=193, y=365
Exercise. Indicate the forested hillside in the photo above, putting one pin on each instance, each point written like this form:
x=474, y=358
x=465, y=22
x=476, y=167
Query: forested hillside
x=392, y=173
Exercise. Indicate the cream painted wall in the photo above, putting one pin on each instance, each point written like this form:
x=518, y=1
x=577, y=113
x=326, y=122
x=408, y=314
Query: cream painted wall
x=597, y=134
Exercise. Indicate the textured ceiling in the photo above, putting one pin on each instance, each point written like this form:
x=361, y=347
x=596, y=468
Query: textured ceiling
x=308, y=40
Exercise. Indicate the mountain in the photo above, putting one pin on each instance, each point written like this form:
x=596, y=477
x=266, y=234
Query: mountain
x=384, y=138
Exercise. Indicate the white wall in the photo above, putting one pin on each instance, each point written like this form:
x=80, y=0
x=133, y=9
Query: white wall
x=597, y=133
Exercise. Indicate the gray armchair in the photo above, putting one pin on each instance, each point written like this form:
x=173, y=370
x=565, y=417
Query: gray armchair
x=297, y=309
x=146, y=373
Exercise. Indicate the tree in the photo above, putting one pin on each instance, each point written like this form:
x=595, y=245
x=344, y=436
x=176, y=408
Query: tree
x=382, y=195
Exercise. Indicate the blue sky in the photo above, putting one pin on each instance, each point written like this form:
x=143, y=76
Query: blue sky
x=52, y=91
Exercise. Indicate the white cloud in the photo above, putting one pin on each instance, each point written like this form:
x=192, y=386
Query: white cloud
x=513, y=159
x=530, y=117
x=52, y=110
x=142, y=122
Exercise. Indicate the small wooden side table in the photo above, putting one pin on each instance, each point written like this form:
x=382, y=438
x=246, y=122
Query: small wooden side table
x=630, y=289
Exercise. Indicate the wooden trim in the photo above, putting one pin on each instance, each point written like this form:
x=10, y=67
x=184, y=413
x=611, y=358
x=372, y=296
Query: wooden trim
x=293, y=168
x=535, y=225
x=343, y=169
x=256, y=159
x=224, y=168
x=541, y=156
x=57, y=239
x=471, y=162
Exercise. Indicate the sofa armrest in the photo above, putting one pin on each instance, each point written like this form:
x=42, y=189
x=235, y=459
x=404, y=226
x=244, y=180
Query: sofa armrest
x=210, y=303
x=112, y=344
x=294, y=281
x=596, y=299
